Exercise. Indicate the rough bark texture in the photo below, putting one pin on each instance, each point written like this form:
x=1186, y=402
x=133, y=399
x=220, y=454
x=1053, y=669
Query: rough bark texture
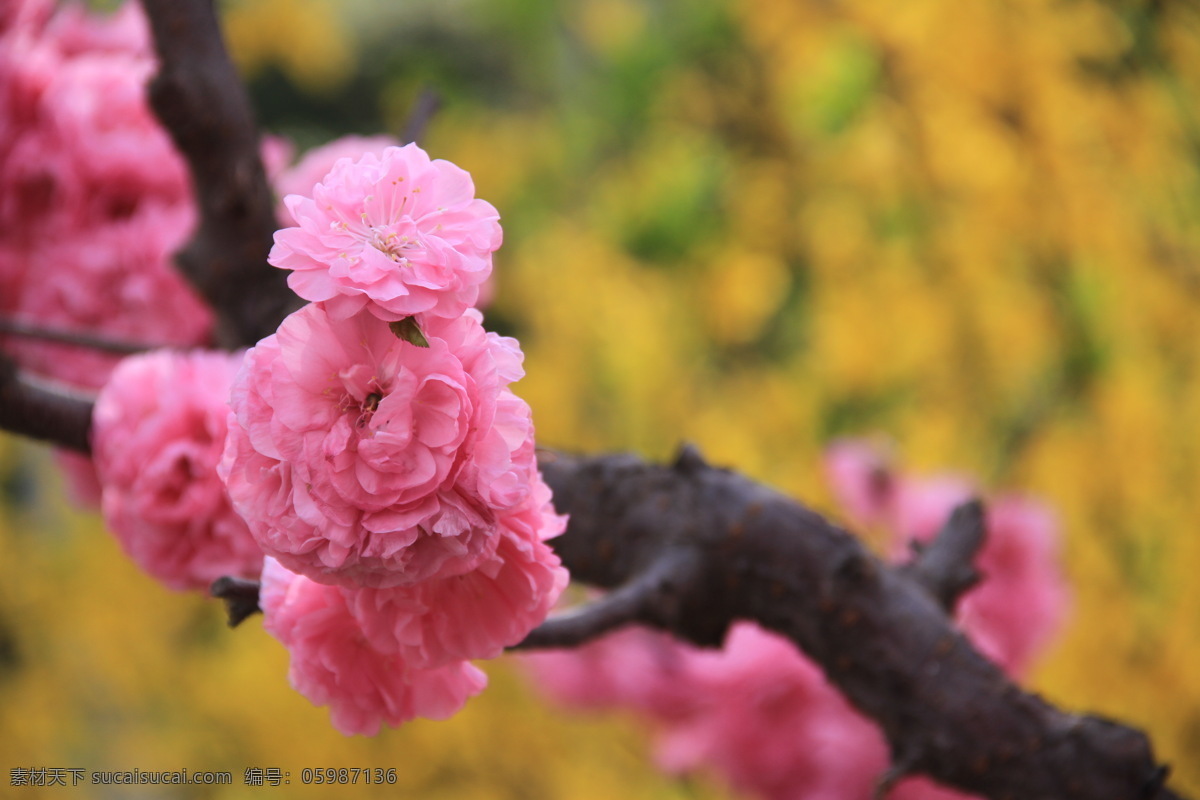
x=687, y=547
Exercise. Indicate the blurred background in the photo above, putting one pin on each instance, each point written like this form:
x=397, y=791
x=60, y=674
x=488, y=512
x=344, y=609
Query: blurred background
x=757, y=225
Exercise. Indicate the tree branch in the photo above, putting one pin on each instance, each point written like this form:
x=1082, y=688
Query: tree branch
x=26, y=330
x=240, y=596
x=200, y=100
x=43, y=411
x=702, y=547
x=945, y=566
x=426, y=105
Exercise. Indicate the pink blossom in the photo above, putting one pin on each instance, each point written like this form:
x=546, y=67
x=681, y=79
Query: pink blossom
x=873, y=494
x=395, y=233
x=333, y=664
x=479, y=613
x=40, y=193
x=158, y=433
x=76, y=29
x=277, y=153
x=757, y=712
x=862, y=480
x=357, y=458
x=115, y=281
x=30, y=164
x=769, y=723
x=16, y=14
x=1014, y=613
x=82, y=482
x=634, y=667
x=96, y=112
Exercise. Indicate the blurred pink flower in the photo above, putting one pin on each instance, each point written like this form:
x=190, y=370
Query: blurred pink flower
x=79, y=29
x=634, y=667
x=29, y=188
x=1023, y=599
x=862, y=480
x=96, y=112
x=395, y=233
x=116, y=281
x=24, y=14
x=1021, y=602
x=158, y=433
x=769, y=723
x=479, y=613
x=873, y=494
x=357, y=457
x=79, y=474
x=277, y=153
x=333, y=664
x=91, y=184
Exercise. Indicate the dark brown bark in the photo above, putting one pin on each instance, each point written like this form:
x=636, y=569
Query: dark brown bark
x=202, y=103
x=42, y=411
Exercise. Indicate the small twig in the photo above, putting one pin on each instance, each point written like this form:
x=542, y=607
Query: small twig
x=240, y=596
x=14, y=327
x=896, y=772
x=647, y=598
x=426, y=105
x=944, y=566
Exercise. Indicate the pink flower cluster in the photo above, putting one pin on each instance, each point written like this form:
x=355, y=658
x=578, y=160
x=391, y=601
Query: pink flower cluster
x=758, y=712
x=158, y=434
x=89, y=183
x=377, y=452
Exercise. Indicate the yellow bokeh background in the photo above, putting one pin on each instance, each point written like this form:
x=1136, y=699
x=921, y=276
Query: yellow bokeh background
x=756, y=225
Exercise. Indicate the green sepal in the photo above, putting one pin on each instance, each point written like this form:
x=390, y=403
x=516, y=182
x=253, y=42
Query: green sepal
x=407, y=330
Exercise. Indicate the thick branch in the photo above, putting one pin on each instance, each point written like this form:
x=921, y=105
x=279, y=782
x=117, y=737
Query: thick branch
x=201, y=101
x=42, y=411
x=879, y=632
